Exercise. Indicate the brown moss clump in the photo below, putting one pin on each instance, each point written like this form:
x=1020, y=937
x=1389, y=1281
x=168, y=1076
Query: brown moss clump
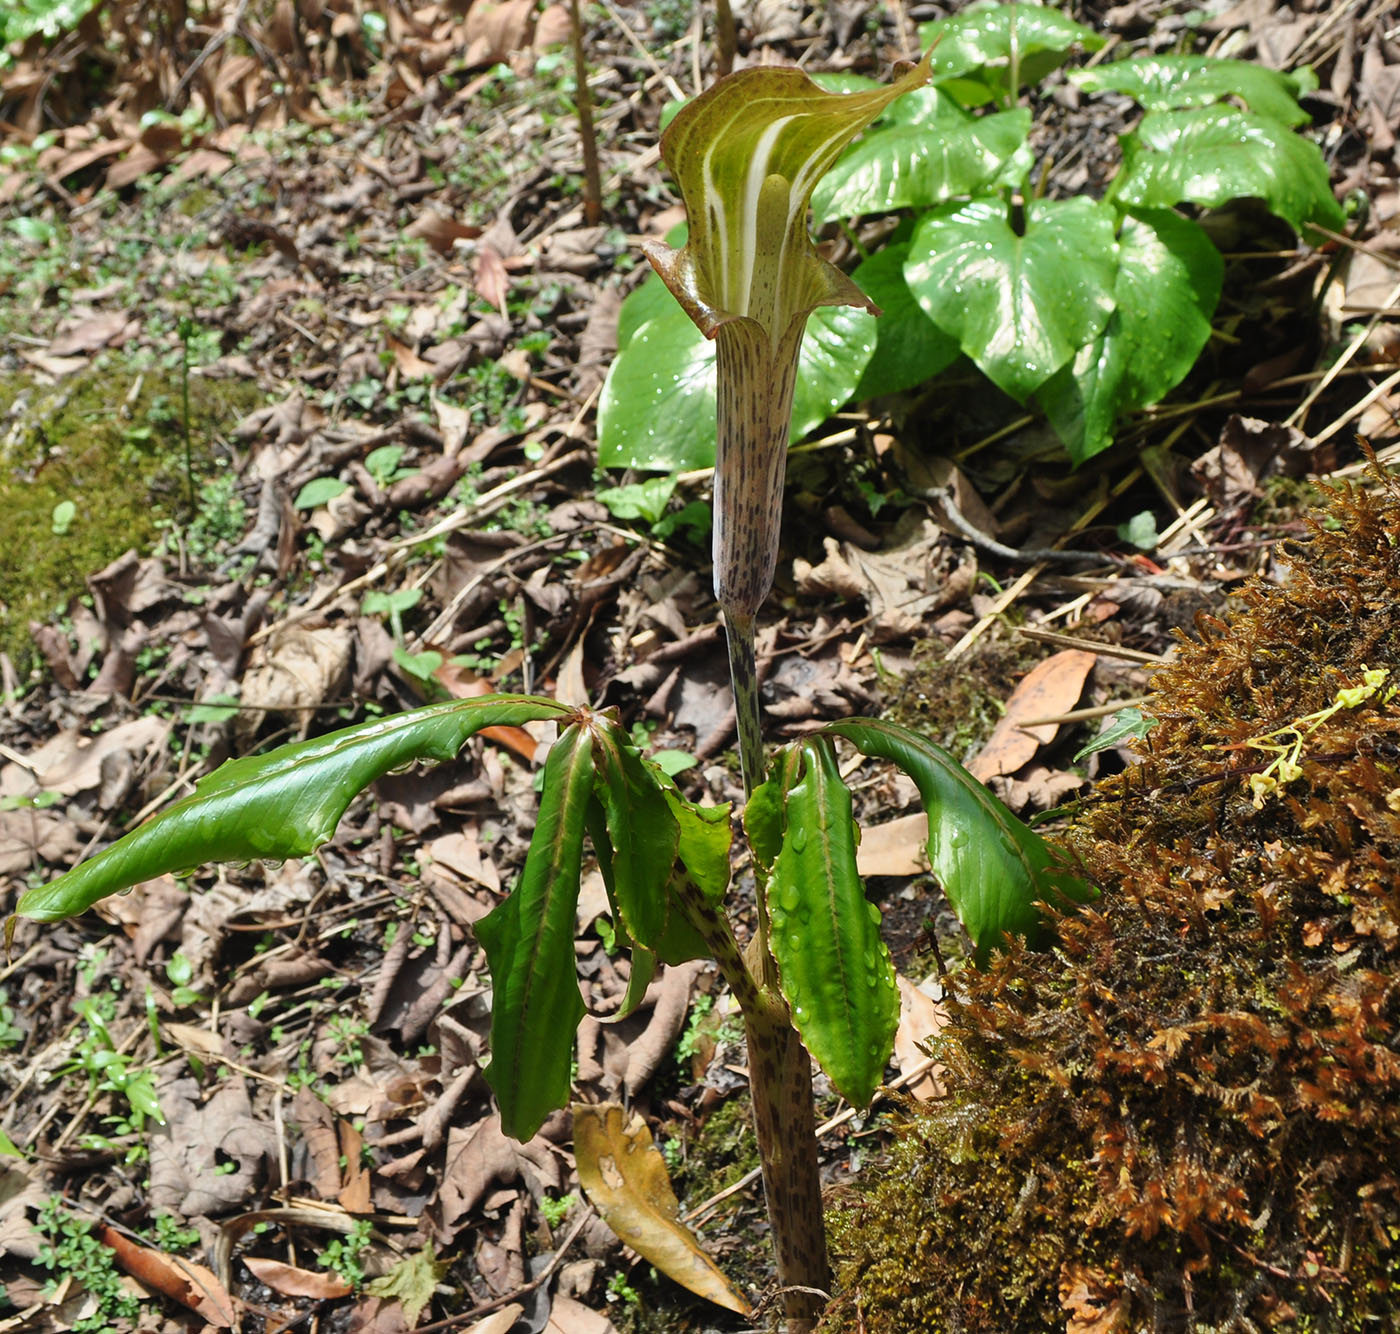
x=1187, y=1117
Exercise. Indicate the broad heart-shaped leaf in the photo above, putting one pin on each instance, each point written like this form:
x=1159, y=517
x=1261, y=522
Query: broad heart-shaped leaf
x=992, y=868
x=833, y=968
x=909, y=347
x=915, y=161
x=1211, y=155
x=1171, y=83
x=1020, y=305
x=529, y=943
x=1168, y=285
x=986, y=38
x=282, y=804
x=657, y=410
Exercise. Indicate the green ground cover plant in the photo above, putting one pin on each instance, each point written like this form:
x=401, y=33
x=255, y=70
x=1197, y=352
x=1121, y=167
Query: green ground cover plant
x=1087, y=308
x=816, y=979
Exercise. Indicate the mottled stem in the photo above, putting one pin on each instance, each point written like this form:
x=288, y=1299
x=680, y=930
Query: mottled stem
x=743, y=677
x=780, y=1084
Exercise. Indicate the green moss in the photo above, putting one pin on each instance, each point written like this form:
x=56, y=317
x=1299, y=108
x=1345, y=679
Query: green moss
x=958, y=704
x=118, y=459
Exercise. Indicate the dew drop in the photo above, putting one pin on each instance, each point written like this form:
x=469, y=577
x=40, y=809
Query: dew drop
x=789, y=896
x=872, y=911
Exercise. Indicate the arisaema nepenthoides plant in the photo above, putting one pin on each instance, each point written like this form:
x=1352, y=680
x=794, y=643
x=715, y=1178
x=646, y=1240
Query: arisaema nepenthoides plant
x=816, y=980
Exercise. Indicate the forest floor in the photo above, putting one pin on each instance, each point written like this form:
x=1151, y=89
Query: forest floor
x=298, y=387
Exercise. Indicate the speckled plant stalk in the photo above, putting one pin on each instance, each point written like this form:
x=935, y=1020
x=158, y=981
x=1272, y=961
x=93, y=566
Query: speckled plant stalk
x=746, y=156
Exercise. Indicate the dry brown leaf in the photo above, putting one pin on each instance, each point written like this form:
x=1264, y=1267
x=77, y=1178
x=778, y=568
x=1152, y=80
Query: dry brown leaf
x=1051, y=687
x=29, y=838
x=1084, y=1294
x=70, y=763
x=920, y=1018
x=293, y=1282
x=461, y=683
x=410, y=365
x=492, y=32
x=490, y=278
x=624, y=1175
x=296, y=669
x=498, y=1322
x=897, y=847
x=183, y=1281
x=91, y=332
x=354, y=1195
x=440, y=231
x=568, y=1316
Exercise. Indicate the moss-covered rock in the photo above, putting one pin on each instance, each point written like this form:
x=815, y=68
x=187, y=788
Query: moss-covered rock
x=1187, y=1117
x=111, y=441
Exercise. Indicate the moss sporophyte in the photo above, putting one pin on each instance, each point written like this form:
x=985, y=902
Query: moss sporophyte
x=817, y=981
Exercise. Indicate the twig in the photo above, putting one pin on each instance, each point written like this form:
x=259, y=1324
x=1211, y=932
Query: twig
x=1090, y=646
x=538, y=1281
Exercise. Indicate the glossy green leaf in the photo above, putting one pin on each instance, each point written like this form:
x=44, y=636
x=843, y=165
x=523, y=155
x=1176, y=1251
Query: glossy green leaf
x=1021, y=303
x=1173, y=83
x=529, y=943
x=917, y=160
x=909, y=347
x=657, y=410
x=988, y=38
x=1168, y=286
x=992, y=868
x=1211, y=155
x=643, y=831
x=833, y=968
x=705, y=838
x=282, y=804
x=643, y=960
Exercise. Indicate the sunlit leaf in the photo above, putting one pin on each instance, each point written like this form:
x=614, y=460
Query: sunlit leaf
x=657, y=410
x=1022, y=301
x=1173, y=83
x=529, y=943
x=915, y=160
x=282, y=804
x=833, y=967
x=994, y=871
x=909, y=347
x=990, y=38
x=1211, y=155
x=1166, y=290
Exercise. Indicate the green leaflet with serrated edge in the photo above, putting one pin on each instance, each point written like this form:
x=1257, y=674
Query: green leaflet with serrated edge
x=833, y=967
x=529, y=943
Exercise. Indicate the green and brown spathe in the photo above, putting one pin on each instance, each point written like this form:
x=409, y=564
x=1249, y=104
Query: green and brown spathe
x=1187, y=1117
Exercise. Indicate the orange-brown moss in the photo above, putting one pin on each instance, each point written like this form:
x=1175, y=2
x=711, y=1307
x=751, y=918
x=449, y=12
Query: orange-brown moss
x=1187, y=1117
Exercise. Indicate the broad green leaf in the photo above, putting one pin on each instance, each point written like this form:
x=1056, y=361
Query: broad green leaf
x=1211, y=155
x=1019, y=304
x=644, y=834
x=992, y=868
x=913, y=163
x=1168, y=285
x=909, y=347
x=1172, y=83
x=833, y=968
x=639, y=500
x=529, y=943
x=989, y=38
x=282, y=804
x=657, y=410
x=319, y=491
